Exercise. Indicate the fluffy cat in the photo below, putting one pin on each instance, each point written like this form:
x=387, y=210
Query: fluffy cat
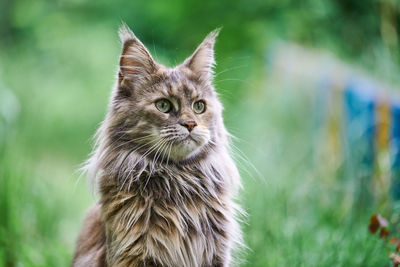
x=163, y=169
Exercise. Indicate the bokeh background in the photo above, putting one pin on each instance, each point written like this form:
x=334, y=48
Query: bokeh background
x=308, y=195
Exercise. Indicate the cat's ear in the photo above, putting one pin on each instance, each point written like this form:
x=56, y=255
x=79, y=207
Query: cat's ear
x=136, y=63
x=202, y=61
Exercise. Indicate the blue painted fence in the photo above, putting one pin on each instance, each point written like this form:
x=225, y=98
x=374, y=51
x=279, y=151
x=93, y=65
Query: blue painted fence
x=369, y=117
x=362, y=126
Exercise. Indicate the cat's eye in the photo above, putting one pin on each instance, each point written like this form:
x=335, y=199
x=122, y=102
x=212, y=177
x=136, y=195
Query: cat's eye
x=164, y=105
x=199, y=106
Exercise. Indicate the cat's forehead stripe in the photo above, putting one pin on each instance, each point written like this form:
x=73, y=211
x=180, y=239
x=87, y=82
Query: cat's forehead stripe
x=190, y=92
x=175, y=83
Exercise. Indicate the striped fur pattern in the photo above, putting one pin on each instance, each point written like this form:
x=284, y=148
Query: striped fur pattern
x=166, y=193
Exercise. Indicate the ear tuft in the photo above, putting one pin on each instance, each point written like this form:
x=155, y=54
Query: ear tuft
x=212, y=36
x=202, y=61
x=136, y=63
x=125, y=34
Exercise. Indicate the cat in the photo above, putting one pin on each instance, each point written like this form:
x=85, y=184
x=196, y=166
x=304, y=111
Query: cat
x=167, y=184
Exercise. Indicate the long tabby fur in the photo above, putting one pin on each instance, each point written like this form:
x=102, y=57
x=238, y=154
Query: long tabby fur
x=166, y=193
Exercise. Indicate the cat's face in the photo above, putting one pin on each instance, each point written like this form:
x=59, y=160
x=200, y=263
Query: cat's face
x=166, y=114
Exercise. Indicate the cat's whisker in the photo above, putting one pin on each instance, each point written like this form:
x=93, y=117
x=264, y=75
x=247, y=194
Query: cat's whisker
x=134, y=140
x=232, y=79
x=147, y=152
x=165, y=150
x=143, y=137
x=126, y=156
x=153, y=162
x=129, y=141
x=124, y=144
x=230, y=69
x=156, y=155
x=162, y=150
x=144, y=154
x=151, y=149
x=169, y=153
x=137, y=162
x=247, y=161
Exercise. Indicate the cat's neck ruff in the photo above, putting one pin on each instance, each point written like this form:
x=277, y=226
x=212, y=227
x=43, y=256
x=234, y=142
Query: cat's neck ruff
x=127, y=168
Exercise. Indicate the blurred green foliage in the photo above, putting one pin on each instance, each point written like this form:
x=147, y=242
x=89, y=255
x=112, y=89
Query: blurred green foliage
x=58, y=61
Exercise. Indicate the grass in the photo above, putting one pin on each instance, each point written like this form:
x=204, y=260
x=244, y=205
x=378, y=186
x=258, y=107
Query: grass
x=300, y=213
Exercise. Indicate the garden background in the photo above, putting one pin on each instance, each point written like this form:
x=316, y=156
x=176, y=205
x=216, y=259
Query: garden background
x=58, y=63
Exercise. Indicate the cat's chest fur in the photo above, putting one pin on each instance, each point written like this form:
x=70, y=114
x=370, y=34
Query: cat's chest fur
x=176, y=217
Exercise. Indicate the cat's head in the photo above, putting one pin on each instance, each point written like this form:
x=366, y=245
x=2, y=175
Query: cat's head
x=161, y=112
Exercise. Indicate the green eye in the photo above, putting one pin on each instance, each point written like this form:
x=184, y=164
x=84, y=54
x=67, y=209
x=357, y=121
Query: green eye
x=199, y=107
x=163, y=105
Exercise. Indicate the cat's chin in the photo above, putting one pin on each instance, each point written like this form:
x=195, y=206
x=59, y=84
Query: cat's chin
x=185, y=150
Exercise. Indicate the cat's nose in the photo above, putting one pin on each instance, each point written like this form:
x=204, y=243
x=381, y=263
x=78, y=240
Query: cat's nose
x=189, y=125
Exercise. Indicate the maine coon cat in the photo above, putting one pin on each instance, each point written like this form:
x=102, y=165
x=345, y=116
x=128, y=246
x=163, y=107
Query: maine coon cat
x=162, y=167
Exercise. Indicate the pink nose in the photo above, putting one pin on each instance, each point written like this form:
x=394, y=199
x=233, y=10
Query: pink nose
x=189, y=125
